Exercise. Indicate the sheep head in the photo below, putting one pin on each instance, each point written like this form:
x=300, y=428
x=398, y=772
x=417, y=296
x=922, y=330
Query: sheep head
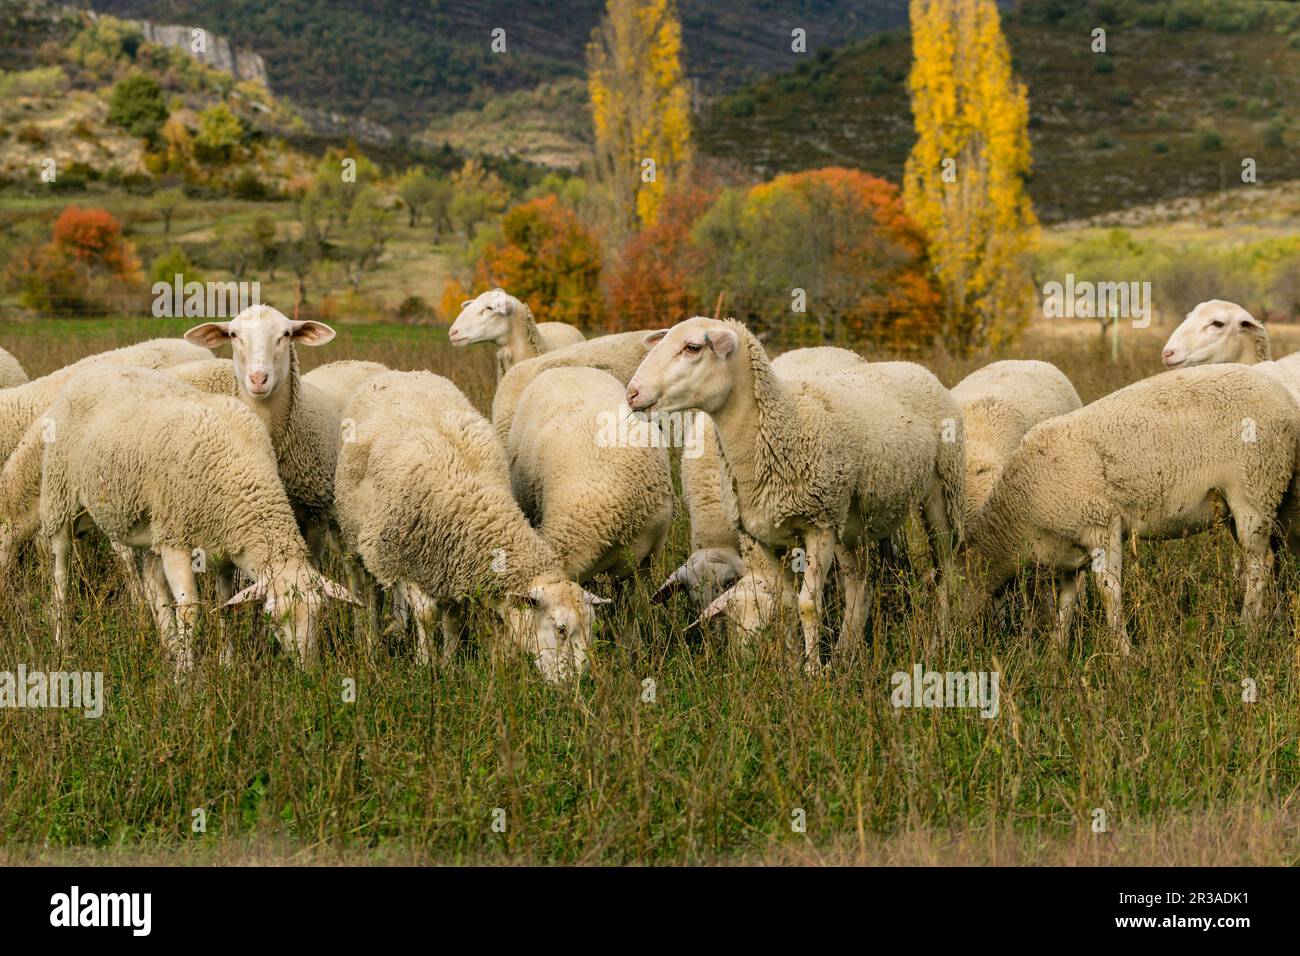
x=688, y=366
x=485, y=318
x=1217, y=331
x=552, y=620
x=261, y=342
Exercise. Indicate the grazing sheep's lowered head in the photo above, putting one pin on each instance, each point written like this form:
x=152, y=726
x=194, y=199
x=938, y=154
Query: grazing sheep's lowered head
x=261, y=342
x=553, y=619
x=704, y=574
x=681, y=370
x=485, y=318
x=1217, y=331
x=294, y=598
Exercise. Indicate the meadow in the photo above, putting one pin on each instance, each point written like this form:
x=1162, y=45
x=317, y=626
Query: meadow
x=677, y=748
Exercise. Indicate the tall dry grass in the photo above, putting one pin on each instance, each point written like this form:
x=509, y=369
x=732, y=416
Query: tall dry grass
x=713, y=770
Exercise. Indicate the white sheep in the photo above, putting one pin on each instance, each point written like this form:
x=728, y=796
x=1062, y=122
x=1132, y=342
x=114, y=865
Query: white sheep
x=596, y=485
x=23, y=404
x=1159, y=459
x=11, y=371
x=423, y=496
x=716, y=561
x=766, y=591
x=340, y=380
x=999, y=403
x=618, y=354
x=1217, y=332
x=496, y=316
x=169, y=471
x=833, y=454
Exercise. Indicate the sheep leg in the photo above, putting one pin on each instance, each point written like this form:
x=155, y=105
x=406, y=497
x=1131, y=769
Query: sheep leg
x=180, y=578
x=855, y=582
x=451, y=625
x=60, y=543
x=1067, y=597
x=1253, y=533
x=939, y=532
x=819, y=559
x=157, y=595
x=1109, y=576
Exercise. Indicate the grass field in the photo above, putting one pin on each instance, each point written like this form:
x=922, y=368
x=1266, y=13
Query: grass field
x=714, y=769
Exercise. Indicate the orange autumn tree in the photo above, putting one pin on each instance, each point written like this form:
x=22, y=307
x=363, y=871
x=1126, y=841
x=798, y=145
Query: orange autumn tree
x=93, y=237
x=650, y=285
x=826, y=255
x=88, y=267
x=546, y=257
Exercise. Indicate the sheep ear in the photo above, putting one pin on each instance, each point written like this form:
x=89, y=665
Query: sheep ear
x=654, y=338
x=1249, y=322
x=310, y=332
x=254, y=592
x=209, y=334
x=338, y=592
x=594, y=599
x=722, y=342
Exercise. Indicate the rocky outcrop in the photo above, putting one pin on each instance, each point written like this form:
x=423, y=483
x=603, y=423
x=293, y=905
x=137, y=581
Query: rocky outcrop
x=214, y=51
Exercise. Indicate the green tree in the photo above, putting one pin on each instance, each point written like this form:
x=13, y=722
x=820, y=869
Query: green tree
x=219, y=136
x=137, y=105
x=165, y=203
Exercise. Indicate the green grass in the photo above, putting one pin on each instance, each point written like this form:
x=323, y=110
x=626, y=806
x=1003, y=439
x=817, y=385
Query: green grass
x=710, y=771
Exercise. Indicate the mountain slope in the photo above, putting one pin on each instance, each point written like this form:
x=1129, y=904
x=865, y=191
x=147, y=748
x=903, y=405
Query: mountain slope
x=402, y=61
x=1166, y=112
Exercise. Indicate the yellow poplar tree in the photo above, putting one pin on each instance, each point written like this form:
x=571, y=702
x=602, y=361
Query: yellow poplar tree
x=964, y=182
x=640, y=108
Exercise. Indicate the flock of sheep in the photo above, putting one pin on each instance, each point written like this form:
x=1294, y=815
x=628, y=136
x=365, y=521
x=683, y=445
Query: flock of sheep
x=809, y=466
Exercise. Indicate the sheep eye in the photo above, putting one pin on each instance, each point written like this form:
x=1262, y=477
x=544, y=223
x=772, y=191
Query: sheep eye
x=1216, y=325
x=692, y=347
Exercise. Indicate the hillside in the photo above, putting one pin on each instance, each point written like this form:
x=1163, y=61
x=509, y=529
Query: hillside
x=404, y=61
x=1166, y=112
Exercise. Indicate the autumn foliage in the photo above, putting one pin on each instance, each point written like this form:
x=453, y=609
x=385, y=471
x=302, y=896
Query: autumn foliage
x=826, y=255
x=964, y=182
x=87, y=267
x=546, y=257
x=93, y=237
x=652, y=283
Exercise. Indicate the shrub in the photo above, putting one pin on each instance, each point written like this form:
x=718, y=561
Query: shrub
x=137, y=105
x=546, y=257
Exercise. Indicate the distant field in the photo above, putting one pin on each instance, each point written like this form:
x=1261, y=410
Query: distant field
x=714, y=769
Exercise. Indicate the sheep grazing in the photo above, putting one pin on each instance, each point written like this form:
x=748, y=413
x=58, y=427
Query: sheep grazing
x=599, y=491
x=618, y=354
x=832, y=455
x=166, y=470
x=423, y=496
x=1159, y=459
x=11, y=371
x=23, y=404
x=1217, y=332
x=496, y=316
x=999, y=403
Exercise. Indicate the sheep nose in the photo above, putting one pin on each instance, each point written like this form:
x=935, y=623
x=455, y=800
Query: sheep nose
x=1168, y=353
x=633, y=395
x=257, y=379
